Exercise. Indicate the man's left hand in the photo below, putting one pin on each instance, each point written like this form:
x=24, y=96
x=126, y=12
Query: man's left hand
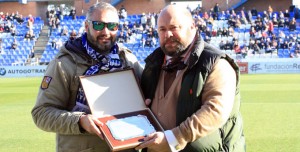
x=156, y=141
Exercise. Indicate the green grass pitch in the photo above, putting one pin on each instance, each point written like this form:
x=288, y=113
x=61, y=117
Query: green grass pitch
x=270, y=108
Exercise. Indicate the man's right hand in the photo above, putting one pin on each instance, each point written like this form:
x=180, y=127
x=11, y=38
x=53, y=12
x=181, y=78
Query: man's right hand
x=91, y=124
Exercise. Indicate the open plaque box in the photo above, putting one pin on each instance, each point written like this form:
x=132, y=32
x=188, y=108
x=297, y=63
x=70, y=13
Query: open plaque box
x=114, y=97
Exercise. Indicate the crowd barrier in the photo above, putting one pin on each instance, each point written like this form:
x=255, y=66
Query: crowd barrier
x=247, y=66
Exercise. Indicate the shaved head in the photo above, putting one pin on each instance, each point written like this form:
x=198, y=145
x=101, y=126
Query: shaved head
x=176, y=12
x=176, y=29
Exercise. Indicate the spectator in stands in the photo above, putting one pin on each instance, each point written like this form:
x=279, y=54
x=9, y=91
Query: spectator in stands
x=32, y=54
x=221, y=45
x=148, y=42
x=123, y=8
x=281, y=20
x=237, y=48
x=258, y=26
x=214, y=32
x=51, y=24
x=231, y=21
x=225, y=32
x=205, y=16
x=230, y=31
x=281, y=35
x=243, y=19
x=122, y=38
x=140, y=29
x=58, y=12
x=265, y=16
x=179, y=116
x=207, y=39
x=53, y=43
x=264, y=34
x=123, y=12
x=73, y=35
x=14, y=44
x=256, y=48
x=252, y=32
x=6, y=27
x=284, y=45
x=201, y=24
x=297, y=51
x=286, y=22
x=30, y=22
x=258, y=35
x=269, y=49
x=48, y=15
x=262, y=45
x=20, y=19
x=13, y=30
x=56, y=22
x=59, y=44
x=1, y=28
x=228, y=45
x=216, y=8
x=254, y=12
x=219, y=32
x=275, y=21
x=73, y=13
x=222, y=16
x=270, y=27
x=61, y=105
x=32, y=35
x=142, y=42
x=270, y=12
x=144, y=20
x=2, y=16
x=287, y=14
x=244, y=49
x=292, y=24
x=27, y=36
x=64, y=31
x=293, y=37
x=152, y=21
x=249, y=17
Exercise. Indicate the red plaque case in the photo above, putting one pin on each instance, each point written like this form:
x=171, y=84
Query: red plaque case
x=116, y=95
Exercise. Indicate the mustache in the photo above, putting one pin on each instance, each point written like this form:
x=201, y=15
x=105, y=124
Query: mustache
x=103, y=36
x=171, y=39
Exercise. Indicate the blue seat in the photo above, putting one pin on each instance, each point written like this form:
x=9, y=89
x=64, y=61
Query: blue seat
x=286, y=52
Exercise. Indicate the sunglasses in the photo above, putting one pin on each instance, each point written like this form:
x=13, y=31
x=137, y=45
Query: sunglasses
x=99, y=26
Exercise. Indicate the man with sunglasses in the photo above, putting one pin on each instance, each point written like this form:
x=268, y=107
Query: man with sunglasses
x=61, y=106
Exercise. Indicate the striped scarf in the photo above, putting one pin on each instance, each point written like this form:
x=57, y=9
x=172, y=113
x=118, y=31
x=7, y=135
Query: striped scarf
x=106, y=63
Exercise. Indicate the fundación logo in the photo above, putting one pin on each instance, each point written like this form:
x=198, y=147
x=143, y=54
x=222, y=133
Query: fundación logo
x=255, y=67
x=2, y=71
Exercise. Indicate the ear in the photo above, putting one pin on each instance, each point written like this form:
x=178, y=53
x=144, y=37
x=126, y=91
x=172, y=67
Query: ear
x=193, y=26
x=86, y=25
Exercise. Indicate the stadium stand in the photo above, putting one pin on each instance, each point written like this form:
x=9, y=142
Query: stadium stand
x=276, y=34
x=15, y=33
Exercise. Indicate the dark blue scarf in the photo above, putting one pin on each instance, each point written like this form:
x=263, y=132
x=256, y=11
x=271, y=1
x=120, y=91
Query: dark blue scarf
x=106, y=63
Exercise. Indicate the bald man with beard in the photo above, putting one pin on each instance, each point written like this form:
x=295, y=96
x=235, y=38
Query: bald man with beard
x=192, y=89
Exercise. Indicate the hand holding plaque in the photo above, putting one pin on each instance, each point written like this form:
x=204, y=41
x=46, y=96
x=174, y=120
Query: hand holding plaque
x=116, y=100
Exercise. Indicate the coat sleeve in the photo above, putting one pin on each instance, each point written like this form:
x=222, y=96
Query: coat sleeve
x=52, y=109
x=134, y=63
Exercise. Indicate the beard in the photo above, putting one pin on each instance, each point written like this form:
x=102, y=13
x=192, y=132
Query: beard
x=103, y=48
x=178, y=50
